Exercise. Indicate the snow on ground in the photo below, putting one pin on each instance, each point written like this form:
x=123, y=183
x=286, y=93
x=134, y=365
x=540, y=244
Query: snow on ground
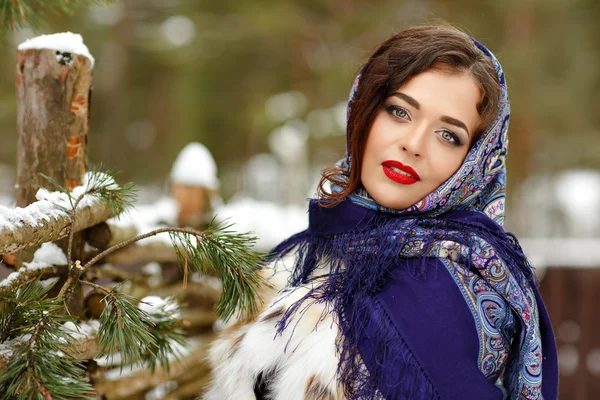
x=147, y=217
x=195, y=166
x=562, y=252
x=578, y=195
x=66, y=42
x=270, y=222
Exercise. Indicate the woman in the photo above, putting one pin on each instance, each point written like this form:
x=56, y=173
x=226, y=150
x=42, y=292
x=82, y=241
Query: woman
x=405, y=285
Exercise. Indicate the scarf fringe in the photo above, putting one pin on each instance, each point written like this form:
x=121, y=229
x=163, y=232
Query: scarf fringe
x=345, y=269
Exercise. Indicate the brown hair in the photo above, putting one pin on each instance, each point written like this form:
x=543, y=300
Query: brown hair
x=404, y=55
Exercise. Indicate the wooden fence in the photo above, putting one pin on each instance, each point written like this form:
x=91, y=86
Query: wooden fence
x=572, y=296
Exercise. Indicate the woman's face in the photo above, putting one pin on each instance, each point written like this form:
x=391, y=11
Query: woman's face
x=420, y=137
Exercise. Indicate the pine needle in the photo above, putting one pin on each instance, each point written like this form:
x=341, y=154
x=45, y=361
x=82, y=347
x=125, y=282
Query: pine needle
x=125, y=328
x=17, y=14
x=229, y=255
x=38, y=367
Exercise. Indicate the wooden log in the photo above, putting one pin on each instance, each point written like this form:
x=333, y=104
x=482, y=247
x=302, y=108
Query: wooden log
x=24, y=276
x=135, y=253
x=192, y=367
x=44, y=221
x=98, y=236
x=9, y=259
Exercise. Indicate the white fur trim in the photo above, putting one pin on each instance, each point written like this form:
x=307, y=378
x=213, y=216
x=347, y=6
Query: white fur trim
x=304, y=353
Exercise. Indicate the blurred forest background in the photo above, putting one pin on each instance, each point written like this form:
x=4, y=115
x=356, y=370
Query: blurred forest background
x=263, y=85
x=243, y=77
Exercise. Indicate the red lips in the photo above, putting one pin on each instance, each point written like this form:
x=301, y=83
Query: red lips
x=397, y=176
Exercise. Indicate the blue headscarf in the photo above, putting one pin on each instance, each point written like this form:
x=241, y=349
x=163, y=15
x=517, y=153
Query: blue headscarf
x=480, y=182
x=362, y=248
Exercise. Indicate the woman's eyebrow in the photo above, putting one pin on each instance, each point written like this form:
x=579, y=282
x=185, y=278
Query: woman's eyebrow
x=413, y=102
x=408, y=99
x=455, y=122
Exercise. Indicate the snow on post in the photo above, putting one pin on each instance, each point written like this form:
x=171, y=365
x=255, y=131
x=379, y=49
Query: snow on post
x=66, y=42
x=53, y=84
x=192, y=182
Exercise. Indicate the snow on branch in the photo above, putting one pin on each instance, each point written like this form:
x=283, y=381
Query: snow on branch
x=47, y=220
x=44, y=260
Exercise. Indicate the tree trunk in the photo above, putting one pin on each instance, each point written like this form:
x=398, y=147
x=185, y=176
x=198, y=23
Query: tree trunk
x=53, y=104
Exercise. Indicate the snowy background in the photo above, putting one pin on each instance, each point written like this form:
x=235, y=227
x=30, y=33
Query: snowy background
x=252, y=96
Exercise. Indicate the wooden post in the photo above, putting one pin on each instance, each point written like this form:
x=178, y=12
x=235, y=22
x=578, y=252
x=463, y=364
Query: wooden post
x=53, y=105
x=53, y=95
x=192, y=183
x=194, y=204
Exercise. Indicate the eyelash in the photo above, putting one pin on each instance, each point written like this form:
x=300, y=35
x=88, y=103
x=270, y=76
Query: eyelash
x=393, y=109
x=456, y=139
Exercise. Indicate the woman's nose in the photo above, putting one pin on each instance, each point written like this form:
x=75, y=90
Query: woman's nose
x=414, y=142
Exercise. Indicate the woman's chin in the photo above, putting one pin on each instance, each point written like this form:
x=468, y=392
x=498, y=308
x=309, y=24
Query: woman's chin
x=398, y=202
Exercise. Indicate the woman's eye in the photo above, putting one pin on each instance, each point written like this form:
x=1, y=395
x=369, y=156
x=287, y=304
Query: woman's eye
x=449, y=137
x=397, y=112
x=400, y=113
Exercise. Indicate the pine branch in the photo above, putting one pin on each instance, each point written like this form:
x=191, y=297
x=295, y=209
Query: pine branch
x=166, y=329
x=14, y=305
x=230, y=256
x=218, y=249
x=141, y=338
x=102, y=186
x=17, y=14
x=23, y=276
x=99, y=186
x=39, y=368
x=124, y=328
